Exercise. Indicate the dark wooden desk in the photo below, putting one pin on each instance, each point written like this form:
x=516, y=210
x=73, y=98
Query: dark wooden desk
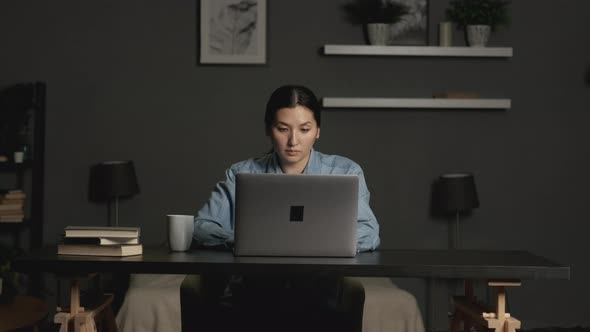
x=451, y=264
x=459, y=264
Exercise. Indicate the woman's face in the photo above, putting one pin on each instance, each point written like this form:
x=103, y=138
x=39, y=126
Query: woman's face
x=293, y=134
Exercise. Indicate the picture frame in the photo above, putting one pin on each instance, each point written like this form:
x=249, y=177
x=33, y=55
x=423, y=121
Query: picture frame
x=233, y=31
x=412, y=29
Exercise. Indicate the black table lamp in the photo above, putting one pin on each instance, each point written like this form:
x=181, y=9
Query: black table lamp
x=456, y=194
x=111, y=180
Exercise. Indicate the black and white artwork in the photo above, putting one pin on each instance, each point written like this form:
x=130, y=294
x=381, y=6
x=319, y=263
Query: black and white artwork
x=233, y=31
x=412, y=29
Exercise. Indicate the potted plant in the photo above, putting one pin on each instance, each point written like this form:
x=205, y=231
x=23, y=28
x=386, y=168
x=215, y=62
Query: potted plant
x=376, y=16
x=478, y=18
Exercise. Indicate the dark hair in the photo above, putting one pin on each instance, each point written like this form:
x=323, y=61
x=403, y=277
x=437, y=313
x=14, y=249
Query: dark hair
x=289, y=96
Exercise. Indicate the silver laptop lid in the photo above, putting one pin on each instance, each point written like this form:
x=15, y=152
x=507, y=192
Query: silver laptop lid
x=296, y=215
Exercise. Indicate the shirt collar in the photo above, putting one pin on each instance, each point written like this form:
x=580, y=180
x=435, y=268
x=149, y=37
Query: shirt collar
x=274, y=166
x=313, y=164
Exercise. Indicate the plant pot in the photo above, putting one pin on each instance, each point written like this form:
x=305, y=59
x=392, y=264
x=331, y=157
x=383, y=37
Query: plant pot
x=378, y=33
x=478, y=35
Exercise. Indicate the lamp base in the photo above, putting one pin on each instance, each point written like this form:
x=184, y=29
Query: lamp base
x=115, y=202
x=454, y=233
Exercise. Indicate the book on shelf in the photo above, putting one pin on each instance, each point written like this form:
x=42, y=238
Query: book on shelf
x=11, y=212
x=14, y=194
x=103, y=241
x=98, y=250
x=10, y=207
x=101, y=231
x=20, y=201
x=12, y=218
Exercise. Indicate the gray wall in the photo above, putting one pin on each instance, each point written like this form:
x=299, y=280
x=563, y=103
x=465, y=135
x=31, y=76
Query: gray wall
x=124, y=83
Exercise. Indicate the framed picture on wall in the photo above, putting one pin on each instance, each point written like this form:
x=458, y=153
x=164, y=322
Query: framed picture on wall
x=233, y=31
x=412, y=29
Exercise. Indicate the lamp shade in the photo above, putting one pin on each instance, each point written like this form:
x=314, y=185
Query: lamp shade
x=456, y=192
x=110, y=179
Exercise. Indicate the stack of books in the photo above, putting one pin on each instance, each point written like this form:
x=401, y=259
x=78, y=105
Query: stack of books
x=100, y=241
x=12, y=206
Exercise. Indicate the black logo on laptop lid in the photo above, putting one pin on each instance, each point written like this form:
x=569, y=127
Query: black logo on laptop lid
x=296, y=213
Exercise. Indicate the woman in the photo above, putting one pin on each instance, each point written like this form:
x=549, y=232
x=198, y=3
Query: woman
x=292, y=121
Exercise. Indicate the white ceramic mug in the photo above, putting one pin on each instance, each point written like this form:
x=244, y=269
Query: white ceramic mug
x=180, y=231
x=19, y=157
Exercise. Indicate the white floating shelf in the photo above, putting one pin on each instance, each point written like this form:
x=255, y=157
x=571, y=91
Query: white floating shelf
x=445, y=103
x=454, y=51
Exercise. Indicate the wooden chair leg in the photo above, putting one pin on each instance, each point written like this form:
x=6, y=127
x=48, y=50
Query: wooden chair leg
x=63, y=319
x=80, y=320
x=475, y=314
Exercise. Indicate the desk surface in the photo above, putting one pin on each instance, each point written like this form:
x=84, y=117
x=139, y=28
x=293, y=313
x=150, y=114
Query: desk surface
x=476, y=264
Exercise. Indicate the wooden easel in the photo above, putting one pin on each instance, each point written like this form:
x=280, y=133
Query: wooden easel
x=470, y=312
x=77, y=319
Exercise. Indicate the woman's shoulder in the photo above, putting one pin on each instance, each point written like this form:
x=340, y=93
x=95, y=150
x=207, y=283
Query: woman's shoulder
x=332, y=163
x=252, y=165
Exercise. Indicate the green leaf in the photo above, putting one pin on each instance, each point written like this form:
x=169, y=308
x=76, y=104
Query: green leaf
x=474, y=12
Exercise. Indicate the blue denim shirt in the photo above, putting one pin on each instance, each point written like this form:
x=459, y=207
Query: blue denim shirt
x=214, y=223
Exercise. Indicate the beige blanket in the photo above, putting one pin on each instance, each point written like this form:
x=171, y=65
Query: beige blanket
x=389, y=308
x=152, y=303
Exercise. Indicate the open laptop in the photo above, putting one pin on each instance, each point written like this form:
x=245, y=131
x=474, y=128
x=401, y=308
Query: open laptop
x=296, y=215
